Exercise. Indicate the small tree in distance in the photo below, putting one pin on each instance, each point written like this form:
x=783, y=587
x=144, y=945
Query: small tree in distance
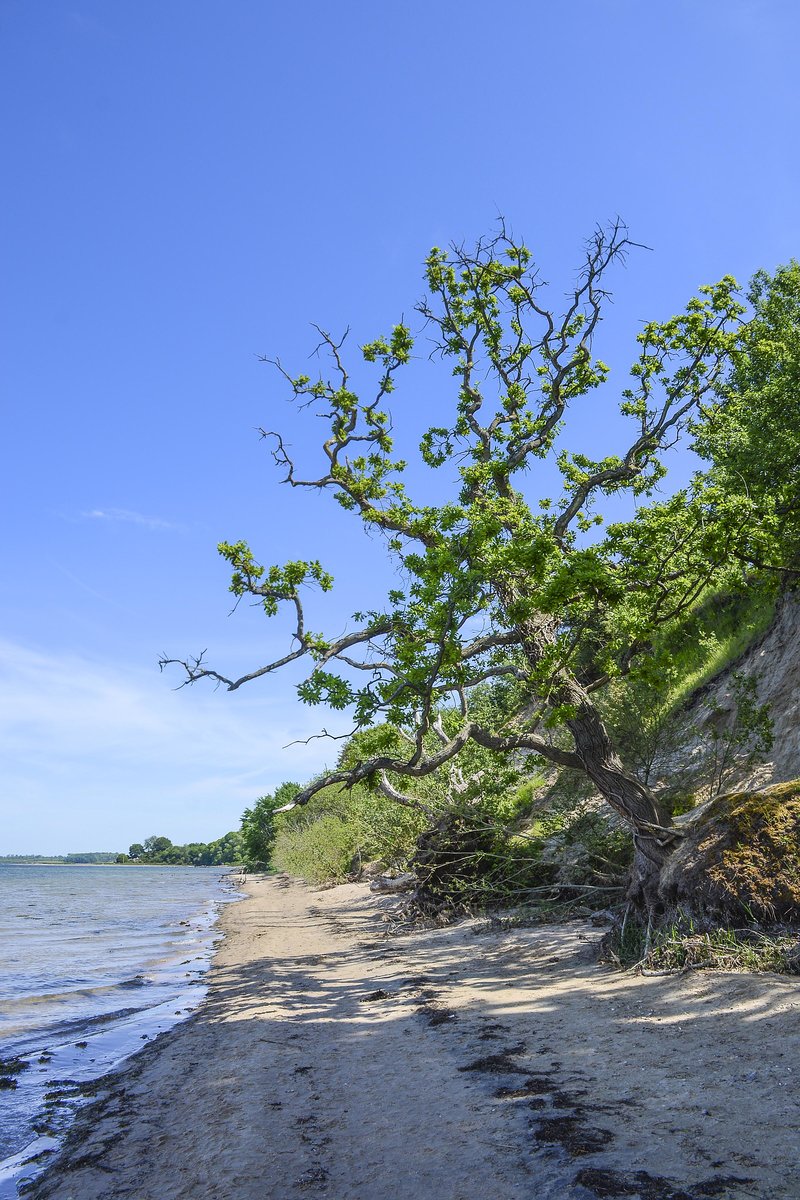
x=502, y=581
x=258, y=824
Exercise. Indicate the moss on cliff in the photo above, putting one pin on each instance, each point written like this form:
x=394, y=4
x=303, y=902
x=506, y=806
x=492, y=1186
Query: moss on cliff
x=740, y=857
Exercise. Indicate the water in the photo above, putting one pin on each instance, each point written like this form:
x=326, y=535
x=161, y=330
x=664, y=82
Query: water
x=94, y=961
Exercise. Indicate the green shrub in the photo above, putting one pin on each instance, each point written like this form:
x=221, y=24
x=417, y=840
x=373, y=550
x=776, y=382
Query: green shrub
x=260, y=826
x=327, y=838
x=319, y=852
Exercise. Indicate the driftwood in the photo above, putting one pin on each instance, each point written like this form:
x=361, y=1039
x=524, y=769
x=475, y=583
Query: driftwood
x=388, y=885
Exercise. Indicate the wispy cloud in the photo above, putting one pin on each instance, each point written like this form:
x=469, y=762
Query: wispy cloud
x=95, y=754
x=128, y=516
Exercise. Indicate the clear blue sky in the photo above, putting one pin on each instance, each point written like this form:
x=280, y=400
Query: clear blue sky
x=187, y=185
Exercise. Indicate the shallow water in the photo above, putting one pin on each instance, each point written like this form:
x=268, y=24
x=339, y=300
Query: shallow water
x=93, y=961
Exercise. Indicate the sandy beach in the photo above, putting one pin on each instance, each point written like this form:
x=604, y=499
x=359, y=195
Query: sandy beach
x=335, y=1056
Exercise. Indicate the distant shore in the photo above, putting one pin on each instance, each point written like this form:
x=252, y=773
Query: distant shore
x=333, y=1058
x=224, y=868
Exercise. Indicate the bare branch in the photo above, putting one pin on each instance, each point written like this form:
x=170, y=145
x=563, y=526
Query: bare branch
x=195, y=670
x=495, y=673
x=420, y=765
x=407, y=801
x=492, y=641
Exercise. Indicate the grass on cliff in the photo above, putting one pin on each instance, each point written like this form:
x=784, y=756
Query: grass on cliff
x=714, y=635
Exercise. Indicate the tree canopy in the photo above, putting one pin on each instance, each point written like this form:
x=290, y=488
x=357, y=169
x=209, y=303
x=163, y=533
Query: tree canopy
x=509, y=580
x=258, y=823
x=751, y=437
x=162, y=852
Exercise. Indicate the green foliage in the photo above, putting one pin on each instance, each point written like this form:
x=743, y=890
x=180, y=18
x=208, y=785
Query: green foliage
x=273, y=584
x=321, y=851
x=358, y=825
x=383, y=739
x=645, y=711
x=259, y=825
x=597, y=849
x=649, y=730
x=225, y=851
x=156, y=845
x=752, y=438
x=466, y=861
x=713, y=635
x=362, y=824
x=568, y=852
x=516, y=608
x=518, y=369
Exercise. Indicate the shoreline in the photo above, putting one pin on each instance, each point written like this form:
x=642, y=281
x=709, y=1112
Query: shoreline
x=330, y=1058
x=67, y=1056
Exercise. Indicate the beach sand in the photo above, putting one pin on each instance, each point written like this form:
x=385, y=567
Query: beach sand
x=336, y=1058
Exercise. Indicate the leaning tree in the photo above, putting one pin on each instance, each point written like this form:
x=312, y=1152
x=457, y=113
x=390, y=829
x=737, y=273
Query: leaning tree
x=506, y=579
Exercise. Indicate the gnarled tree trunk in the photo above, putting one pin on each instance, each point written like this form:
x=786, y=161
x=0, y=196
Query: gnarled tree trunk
x=597, y=757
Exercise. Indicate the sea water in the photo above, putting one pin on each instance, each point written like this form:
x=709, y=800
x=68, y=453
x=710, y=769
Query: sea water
x=94, y=962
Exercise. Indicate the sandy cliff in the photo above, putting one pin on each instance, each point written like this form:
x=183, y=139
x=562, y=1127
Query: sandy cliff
x=775, y=660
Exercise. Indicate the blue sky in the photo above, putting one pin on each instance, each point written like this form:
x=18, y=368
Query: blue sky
x=188, y=185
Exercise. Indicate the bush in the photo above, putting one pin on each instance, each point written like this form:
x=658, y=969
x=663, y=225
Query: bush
x=319, y=852
x=328, y=838
x=259, y=826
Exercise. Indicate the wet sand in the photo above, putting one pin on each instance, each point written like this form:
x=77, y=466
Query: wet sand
x=335, y=1058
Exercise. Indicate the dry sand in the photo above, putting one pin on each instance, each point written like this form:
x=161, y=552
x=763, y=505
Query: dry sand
x=333, y=1059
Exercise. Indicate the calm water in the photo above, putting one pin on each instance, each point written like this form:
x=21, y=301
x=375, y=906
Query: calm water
x=93, y=962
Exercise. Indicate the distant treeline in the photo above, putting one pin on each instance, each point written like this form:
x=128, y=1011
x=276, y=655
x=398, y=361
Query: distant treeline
x=225, y=851
x=93, y=856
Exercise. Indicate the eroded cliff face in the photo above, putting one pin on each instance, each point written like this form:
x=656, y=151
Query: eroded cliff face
x=775, y=662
